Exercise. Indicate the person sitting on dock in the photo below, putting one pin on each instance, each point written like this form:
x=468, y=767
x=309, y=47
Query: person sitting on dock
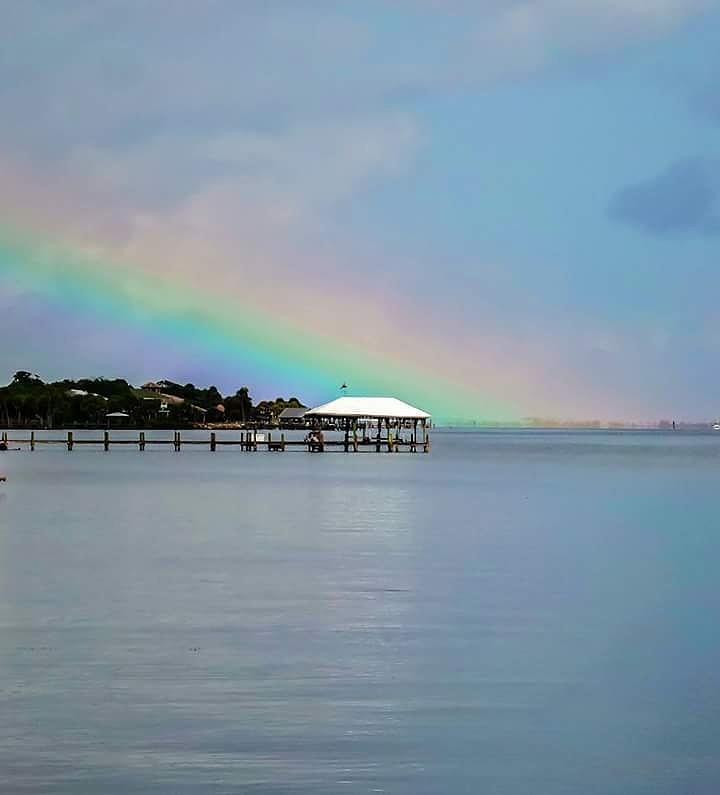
x=315, y=441
x=3, y=447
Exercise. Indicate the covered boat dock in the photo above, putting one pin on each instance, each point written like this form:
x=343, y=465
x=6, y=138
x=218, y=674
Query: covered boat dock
x=362, y=419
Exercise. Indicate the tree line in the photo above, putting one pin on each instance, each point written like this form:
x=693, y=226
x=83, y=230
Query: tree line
x=28, y=401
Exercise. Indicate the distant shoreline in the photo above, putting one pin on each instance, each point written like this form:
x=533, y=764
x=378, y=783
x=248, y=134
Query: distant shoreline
x=440, y=426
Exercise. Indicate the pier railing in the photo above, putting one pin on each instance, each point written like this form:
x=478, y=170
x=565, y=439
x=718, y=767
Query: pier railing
x=250, y=441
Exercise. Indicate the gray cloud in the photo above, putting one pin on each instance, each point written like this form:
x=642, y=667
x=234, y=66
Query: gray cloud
x=104, y=72
x=681, y=201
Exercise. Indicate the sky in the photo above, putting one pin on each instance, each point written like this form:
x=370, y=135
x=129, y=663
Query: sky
x=493, y=209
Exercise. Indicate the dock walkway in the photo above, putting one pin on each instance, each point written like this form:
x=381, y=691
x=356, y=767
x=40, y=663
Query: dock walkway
x=248, y=441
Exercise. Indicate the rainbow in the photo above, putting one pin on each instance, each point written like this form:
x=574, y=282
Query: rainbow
x=247, y=340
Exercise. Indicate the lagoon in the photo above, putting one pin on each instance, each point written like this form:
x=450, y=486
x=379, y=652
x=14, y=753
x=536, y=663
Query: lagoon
x=519, y=612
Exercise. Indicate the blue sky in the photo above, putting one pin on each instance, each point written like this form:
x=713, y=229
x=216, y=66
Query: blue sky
x=541, y=178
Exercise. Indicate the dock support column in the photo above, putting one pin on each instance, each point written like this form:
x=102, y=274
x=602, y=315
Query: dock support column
x=70, y=440
x=213, y=442
x=32, y=440
x=426, y=437
x=282, y=442
x=346, y=446
x=141, y=441
x=389, y=433
x=106, y=441
x=379, y=433
x=355, y=439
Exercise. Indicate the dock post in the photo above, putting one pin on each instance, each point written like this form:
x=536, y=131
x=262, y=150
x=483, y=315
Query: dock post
x=355, y=439
x=213, y=443
x=269, y=441
x=141, y=440
x=70, y=440
x=282, y=442
x=390, y=436
x=254, y=447
x=177, y=441
x=106, y=441
x=32, y=440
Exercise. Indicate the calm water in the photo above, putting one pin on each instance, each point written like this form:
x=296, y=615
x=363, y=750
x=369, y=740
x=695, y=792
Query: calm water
x=516, y=613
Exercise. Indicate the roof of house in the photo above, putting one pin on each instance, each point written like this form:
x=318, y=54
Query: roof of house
x=292, y=414
x=370, y=407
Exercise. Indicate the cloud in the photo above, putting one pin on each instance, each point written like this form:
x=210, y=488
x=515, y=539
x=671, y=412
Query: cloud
x=524, y=35
x=109, y=71
x=157, y=100
x=301, y=168
x=682, y=201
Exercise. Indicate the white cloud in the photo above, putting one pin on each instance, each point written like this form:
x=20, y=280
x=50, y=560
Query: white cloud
x=285, y=174
x=519, y=36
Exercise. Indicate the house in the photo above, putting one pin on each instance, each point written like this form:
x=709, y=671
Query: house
x=292, y=418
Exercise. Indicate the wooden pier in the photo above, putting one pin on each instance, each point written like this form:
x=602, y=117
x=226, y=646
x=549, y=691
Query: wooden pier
x=248, y=441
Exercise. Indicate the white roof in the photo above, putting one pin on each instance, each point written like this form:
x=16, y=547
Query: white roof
x=371, y=407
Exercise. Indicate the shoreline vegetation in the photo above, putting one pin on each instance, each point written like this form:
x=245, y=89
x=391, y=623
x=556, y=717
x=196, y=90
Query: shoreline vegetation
x=28, y=402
